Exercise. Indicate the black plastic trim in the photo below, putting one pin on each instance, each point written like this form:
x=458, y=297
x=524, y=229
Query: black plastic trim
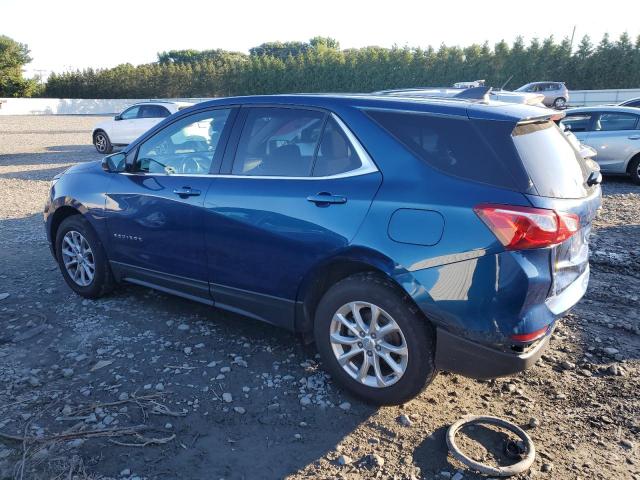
x=458, y=355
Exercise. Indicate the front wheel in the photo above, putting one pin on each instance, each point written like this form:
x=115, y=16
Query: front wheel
x=102, y=142
x=374, y=341
x=559, y=103
x=81, y=258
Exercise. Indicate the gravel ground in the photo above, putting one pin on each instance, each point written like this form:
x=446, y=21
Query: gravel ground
x=144, y=385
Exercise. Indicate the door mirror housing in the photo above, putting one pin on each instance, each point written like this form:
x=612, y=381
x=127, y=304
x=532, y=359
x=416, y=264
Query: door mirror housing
x=114, y=163
x=117, y=117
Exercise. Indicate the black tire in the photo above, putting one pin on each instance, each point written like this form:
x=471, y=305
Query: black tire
x=102, y=142
x=634, y=169
x=559, y=103
x=418, y=333
x=102, y=282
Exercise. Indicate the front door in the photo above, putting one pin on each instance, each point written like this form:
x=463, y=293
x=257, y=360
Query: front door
x=296, y=190
x=155, y=210
x=615, y=137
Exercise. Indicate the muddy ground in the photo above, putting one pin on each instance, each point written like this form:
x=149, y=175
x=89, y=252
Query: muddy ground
x=144, y=385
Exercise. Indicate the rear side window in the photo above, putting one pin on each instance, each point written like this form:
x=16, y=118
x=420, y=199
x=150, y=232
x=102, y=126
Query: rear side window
x=336, y=154
x=153, y=111
x=450, y=145
x=554, y=166
x=278, y=142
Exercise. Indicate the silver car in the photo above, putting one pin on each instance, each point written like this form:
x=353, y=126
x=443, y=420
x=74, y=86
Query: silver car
x=614, y=132
x=556, y=94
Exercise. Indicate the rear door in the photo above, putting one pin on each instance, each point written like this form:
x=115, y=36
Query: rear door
x=616, y=138
x=292, y=192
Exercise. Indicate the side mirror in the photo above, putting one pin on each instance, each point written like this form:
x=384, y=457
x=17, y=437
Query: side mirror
x=114, y=163
x=117, y=117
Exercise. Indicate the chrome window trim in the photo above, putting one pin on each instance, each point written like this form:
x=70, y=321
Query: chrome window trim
x=367, y=165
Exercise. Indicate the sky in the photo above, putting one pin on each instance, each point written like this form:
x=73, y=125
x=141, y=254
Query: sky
x=77, y=34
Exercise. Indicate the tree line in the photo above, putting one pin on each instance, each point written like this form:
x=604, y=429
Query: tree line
x=320, y=65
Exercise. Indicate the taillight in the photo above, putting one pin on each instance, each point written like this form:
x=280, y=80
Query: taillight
x=520, y=228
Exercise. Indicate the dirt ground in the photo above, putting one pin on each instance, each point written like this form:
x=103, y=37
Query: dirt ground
x=141, y=385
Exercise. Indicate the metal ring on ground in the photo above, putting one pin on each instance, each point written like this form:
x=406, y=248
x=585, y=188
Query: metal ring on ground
x=522, y=466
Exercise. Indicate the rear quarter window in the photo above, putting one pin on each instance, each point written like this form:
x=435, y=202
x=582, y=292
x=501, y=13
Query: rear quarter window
x=451, y=145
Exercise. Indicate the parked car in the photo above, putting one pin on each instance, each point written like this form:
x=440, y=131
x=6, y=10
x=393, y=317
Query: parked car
x=405, y=236
x=447, y=92
x=633, y=102
x=556, y=94
x=131, y=123
x=614, y=132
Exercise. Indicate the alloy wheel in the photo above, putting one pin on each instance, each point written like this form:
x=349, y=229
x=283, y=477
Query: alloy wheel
x=78, y=258
x=101, y=142
x=368, y=344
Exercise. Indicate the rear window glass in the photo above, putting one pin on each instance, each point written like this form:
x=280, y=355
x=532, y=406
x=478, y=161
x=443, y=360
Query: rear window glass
x=450, y=145
x=554, y=166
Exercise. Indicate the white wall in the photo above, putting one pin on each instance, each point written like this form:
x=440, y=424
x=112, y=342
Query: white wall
x=70, y=106
x=601, y=97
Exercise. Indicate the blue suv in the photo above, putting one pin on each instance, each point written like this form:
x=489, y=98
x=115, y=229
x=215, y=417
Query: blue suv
x=405, y=236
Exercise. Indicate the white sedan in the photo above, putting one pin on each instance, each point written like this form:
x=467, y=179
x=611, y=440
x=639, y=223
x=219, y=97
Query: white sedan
x=131, y=123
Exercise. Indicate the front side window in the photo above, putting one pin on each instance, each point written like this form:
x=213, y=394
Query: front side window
x=611, y=122
x=153, y=111
x=187, y=146
x=577, y=122
x=130, y=113
x=278, y=142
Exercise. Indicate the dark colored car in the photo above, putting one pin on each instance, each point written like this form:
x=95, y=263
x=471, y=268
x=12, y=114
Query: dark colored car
x=405, y=236
x=633, y=102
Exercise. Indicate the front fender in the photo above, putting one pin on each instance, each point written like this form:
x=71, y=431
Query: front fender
x=83, y=191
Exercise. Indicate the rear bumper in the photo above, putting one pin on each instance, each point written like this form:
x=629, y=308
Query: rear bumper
x=470, y=359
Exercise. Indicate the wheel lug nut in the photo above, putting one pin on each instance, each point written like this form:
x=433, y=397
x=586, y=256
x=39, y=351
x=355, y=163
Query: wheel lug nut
x=369, y=353
x=360, y=344
x=378, y=348
x=362, y=334
x=373, y=335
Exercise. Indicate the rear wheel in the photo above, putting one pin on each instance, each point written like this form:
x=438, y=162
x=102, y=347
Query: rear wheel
x=559, y=102
x=373, y=340
x=634, y=169
x=101, y=142
x=81, y=258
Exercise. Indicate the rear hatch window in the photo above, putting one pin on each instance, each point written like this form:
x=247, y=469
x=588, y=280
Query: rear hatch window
x=555, y=167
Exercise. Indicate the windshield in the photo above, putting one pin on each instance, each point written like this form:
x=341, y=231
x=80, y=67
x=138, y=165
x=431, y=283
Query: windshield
x=553, y=164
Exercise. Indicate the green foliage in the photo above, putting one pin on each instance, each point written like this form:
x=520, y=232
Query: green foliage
x=320, y=65
x=13, y=56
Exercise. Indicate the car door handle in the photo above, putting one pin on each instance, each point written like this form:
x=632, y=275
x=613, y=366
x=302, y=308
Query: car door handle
x=186, y=192
x=634, y=137
x=325, y=198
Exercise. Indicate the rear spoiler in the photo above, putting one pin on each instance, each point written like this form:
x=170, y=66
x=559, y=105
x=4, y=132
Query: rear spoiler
x=475, y=93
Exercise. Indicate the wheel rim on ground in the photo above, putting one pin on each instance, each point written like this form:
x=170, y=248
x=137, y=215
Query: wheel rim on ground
x=101, y=142
x=560, y=102
x=368, y=344
x=78, y=258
